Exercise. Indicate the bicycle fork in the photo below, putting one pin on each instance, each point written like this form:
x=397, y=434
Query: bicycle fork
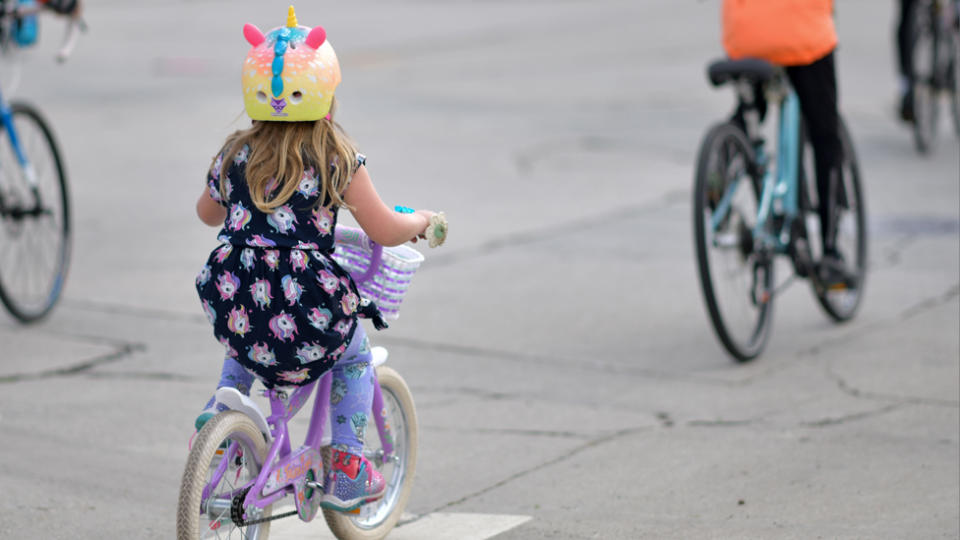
x=15, y=210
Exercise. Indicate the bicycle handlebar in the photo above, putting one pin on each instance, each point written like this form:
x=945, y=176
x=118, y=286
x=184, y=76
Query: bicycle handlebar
x=75, y=26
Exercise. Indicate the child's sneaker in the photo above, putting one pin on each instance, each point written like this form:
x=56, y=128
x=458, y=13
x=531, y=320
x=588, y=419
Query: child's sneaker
x=351, y=482
x=213, y=407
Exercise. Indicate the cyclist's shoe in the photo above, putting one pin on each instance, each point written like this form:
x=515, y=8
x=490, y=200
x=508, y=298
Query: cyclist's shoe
x=832, y=273
x=213, y=407
x=906, y=107
x=351, y=482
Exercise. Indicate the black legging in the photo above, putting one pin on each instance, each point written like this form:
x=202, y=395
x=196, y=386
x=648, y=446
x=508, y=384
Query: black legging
x=904, y=44
x=816, y=88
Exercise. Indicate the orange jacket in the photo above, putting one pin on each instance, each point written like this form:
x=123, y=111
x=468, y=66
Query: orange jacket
x=785, y=32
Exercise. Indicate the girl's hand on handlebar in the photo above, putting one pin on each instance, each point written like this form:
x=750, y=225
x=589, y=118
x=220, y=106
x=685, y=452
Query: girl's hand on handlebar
x=426, y=215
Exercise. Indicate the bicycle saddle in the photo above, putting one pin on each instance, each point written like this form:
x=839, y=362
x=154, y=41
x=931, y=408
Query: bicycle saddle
x=753, y=70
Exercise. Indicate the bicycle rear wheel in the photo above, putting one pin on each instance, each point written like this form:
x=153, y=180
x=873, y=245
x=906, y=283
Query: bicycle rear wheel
x=375, y=520
x=230, y=436
x=736, y=281
x=953, y=72
x=926, y=87
x=34, y=218
x=850, y=217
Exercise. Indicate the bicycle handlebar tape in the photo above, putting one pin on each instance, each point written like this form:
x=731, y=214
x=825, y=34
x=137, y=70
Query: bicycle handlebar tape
x=436, y=232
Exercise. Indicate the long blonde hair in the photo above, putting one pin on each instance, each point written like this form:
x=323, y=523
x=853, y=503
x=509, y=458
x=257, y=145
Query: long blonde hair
x=281, y=151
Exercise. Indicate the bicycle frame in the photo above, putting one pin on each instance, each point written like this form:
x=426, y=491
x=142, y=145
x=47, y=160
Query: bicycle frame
x=6, y=116
x=288, y=474
x=780, y=194
x=780, y=189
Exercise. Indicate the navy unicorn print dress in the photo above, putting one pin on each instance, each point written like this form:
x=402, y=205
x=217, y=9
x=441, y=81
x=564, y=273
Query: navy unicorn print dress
x=278, y=302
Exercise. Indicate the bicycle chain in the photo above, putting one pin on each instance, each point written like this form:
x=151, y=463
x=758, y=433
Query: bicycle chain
x=236, y=512
x=265, y=519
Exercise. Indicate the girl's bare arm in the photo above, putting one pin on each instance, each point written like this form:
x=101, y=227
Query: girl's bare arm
x=380, y=222
x=209, y=211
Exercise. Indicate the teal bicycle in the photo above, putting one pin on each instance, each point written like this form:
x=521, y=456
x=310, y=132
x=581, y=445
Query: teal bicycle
x=751, y=207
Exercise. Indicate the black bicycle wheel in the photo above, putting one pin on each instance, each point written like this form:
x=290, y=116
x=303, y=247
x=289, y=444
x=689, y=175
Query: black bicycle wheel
x=850, y=217
x=34, y=218
x=925, y=41
x=736, y=281
x=953, y=71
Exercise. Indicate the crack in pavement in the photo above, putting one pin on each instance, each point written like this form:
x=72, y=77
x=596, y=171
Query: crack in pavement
x=110, y=308
x=593, y=443
x=424, y=345
x=557, y=361
x=123, y=351
x=922, y=306
x=845, y=419
x=556, y=434
x=553, y=231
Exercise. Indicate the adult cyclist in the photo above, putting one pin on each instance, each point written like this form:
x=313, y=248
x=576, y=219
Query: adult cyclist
x=800, y=35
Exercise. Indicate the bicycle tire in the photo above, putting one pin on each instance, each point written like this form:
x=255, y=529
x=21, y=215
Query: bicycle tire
x=953, y=72
x=377, y=519
x=841, y=306
x=718, y=153
x=203, y=456
x=924, y=37
x=32, y=297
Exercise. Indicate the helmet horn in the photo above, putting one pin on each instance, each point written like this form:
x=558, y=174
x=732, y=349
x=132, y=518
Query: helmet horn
x=316, y=37
x=253, y=34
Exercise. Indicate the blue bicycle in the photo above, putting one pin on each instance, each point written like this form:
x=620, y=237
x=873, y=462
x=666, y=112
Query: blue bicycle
x=34, y=203
x=751, y=206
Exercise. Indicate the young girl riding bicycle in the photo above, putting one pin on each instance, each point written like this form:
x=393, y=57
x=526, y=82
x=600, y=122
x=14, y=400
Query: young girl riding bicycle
x=284, y=310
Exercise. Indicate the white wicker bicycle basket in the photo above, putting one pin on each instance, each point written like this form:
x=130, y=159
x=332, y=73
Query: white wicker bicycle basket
x=387, y=286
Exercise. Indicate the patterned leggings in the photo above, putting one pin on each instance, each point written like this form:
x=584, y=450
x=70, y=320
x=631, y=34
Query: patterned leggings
x=351, y=394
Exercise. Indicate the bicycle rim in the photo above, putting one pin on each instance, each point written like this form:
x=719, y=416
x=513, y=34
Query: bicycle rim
x=34, y=230
x=734, y=281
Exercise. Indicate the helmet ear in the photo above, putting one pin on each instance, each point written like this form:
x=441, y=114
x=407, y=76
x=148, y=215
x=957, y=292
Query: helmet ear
x=316, y=37
x=253, y=34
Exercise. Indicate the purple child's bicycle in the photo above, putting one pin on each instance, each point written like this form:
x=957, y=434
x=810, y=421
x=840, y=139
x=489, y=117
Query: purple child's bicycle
x=241, y=467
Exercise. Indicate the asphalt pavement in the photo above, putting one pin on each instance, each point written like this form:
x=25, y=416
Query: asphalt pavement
x=567, y=381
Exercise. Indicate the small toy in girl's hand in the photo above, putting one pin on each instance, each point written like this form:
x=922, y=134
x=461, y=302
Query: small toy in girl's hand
x=436, y=232
x=403, y=209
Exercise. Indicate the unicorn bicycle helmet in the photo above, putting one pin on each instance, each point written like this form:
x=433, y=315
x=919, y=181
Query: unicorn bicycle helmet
x=290, y=74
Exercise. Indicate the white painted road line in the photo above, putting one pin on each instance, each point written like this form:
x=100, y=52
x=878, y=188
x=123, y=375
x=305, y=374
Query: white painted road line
x=437, y=526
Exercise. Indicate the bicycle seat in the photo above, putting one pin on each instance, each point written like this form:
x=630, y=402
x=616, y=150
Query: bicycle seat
x=753, y=70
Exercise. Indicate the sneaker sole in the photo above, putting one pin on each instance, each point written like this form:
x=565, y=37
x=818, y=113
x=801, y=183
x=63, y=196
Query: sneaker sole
x=334, y=503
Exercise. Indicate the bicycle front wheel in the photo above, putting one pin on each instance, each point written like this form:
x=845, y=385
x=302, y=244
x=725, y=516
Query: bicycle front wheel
x=34, y=217
x=375, y=520
x=735, y=280
x=208, y=491
x=850, y=219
